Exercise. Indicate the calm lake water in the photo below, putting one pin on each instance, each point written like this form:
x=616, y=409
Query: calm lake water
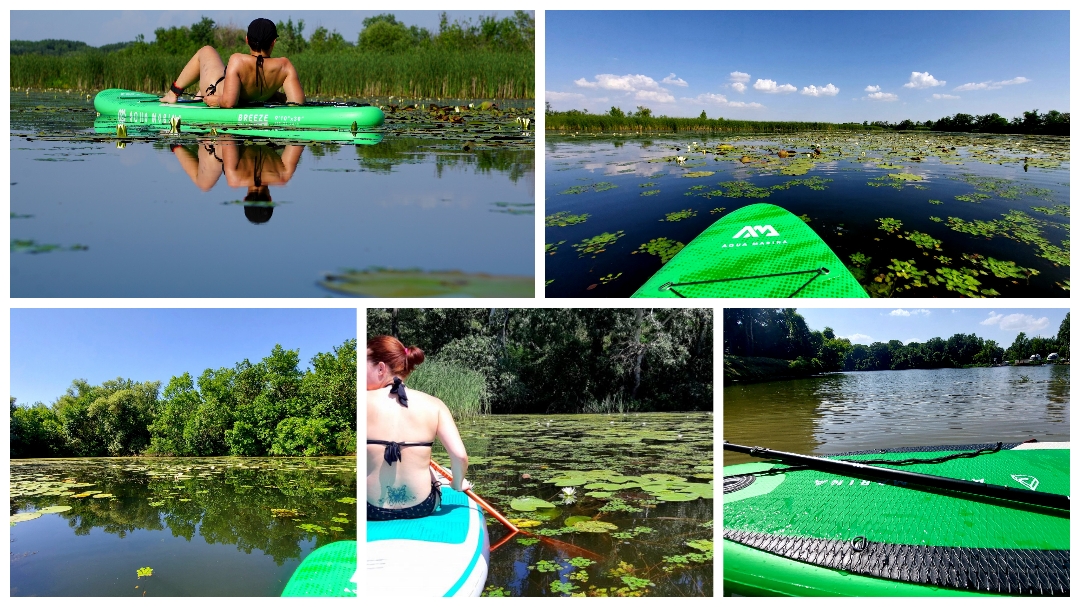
x=886, y=409
x=205, y=526
x=643, y=548
x=912, y=215
x=167, y=216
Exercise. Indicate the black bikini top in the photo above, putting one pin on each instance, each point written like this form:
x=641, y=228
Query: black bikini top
x=392, y=453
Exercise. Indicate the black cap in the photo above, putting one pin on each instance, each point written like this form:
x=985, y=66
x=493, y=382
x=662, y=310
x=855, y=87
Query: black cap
x=261, y=33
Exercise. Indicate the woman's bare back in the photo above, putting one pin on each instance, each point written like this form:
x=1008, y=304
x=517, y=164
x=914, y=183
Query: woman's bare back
x=407, y=482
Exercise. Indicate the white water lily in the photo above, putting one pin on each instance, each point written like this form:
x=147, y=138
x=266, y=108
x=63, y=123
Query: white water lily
x=680, y=159
x=568, y=495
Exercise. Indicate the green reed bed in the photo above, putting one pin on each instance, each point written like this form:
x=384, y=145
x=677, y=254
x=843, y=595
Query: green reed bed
x=462, y=389
x=604, y=123
x=417, y=74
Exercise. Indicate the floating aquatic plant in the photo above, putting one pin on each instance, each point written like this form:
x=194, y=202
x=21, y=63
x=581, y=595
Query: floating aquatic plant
x=923, y=241
x=932, y=201
x=550, y=249
x=610, y=278
x=680, y=215
x=529, y=504
x=650, y=192
x=564, y=218
x=889, y=224
x=662, y=247
x=144, y=572
x=695, y=174
x=597, y=244
x=973, y=197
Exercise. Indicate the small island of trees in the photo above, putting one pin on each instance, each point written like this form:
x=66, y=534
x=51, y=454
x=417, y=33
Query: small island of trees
x=767, y=344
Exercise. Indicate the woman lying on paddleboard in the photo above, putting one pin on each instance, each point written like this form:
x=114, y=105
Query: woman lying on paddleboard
x=401, y=429
x=251, y=78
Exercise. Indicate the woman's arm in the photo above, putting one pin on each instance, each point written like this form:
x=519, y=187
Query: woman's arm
x=228, y=92
x=451, y=441
x=294, y=93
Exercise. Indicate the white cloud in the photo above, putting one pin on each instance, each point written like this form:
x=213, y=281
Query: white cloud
x=642, y=87
x=859, y=338
x=660, y=96
x=739, y=77
x=674, y=80
x=990, y=85
x=828, y=90
x=559, y=96
x=1016, y=322
x=739, y=87
x=903, y=312
x=922, y=80
x=770, y=86
x=872, y=88
x=708, y=98
x=879, y=96
x=944, y=96
x=718, y=99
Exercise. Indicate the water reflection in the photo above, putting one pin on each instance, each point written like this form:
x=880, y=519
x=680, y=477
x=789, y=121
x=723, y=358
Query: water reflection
x=255, y=167
x=195, y=517
x=453, y=213
x=887, y=409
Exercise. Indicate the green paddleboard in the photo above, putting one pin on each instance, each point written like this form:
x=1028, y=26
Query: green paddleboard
x=757, y=251
x=131, y=107
x=328, y=571
x=805, y=532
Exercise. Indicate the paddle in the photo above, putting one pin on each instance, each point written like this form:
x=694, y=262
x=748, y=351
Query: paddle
x=512, y=527
x=901, y=477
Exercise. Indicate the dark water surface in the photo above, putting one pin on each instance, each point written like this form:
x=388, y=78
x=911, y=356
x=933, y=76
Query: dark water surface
x=205, y=526
x=1007, y=235
x=887, y=409
x=645, y=550
x=166, y=216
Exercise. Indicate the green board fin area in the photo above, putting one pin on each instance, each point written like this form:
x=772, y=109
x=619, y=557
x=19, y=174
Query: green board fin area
x=801, y=531
x=327, y=571
x=760, y=250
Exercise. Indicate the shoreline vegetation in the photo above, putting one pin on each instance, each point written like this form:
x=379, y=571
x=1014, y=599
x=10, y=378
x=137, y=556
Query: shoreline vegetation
x=617, y=121
x=483, y=361
x=269, y=408
x=768, y=344
x=491, y=59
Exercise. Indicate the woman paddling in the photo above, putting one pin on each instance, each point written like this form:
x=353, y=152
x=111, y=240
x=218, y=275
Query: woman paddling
x=254, y=77
x=401, y=428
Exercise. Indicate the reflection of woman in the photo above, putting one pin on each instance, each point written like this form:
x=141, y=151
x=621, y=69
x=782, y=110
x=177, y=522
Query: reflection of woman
x=255, y=166
x=401, y=429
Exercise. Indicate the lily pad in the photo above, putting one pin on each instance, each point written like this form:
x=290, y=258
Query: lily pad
x=529, y=504
x=591, y=526
x=573, y=520
x=54, y=509
x=24, y=516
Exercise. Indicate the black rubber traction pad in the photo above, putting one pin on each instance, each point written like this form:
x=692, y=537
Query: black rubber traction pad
x=1000, y=571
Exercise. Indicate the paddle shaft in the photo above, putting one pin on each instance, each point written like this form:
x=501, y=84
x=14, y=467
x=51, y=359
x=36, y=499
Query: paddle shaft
x=512, y=527
x=902, y=477
x=476, y=498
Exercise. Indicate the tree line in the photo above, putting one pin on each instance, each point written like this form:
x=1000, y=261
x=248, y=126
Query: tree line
x=561, y=360
x=252, y=409
x=616, y=119
x=783, y=334
x=381, y=33
x=1031, y=123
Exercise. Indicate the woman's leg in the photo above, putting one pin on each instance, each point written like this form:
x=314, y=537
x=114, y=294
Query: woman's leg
x=205, y=68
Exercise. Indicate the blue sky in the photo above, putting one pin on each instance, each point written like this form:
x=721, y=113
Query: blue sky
x=866, y=326
x=52, y=347
x=105, y=27
x=833, y=66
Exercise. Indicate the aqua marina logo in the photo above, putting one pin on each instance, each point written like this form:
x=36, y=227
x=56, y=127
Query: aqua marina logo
x=756, y=231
